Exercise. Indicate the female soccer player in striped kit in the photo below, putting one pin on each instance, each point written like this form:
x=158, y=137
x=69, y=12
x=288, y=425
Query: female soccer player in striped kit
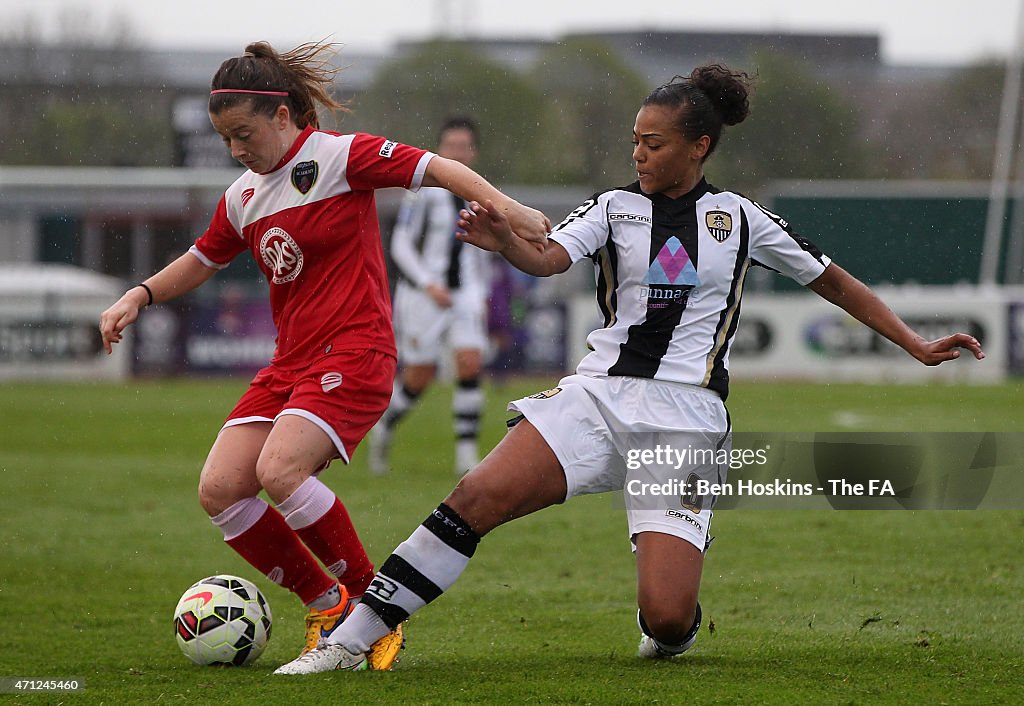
x=671, y=253
x=440, y=298
x=305, y=210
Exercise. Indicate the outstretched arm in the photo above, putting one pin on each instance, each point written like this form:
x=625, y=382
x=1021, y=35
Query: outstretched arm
x=850, y=294
x=528, y=223
x=180, y=277
x=488, y=228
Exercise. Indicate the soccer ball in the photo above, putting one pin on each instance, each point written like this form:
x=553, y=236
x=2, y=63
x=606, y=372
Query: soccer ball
x=222, y=620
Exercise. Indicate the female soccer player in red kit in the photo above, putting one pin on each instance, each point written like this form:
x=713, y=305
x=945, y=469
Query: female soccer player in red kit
x=305, y=209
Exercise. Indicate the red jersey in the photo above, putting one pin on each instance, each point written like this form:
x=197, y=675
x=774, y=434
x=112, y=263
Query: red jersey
x=311, y=224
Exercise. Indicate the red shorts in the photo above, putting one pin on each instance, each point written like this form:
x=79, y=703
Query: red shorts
x=344, y=394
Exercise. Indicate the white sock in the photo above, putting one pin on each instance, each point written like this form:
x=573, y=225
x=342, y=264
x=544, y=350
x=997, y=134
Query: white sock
x=360, y=630
x=327, y=600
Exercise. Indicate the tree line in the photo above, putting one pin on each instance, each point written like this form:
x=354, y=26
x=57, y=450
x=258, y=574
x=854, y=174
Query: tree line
x=568, y=120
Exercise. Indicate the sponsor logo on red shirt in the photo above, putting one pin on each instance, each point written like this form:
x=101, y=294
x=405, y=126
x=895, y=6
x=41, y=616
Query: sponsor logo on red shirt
x=281, y=254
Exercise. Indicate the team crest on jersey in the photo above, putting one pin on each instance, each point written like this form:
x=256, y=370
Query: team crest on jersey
x=247, y=194
x=281, y=254
x=304, y=175
x=719, y=224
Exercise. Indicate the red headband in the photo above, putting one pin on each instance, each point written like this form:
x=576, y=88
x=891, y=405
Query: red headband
x=242, y=90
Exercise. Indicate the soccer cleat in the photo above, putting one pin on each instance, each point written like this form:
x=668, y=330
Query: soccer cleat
x=380, y=449
x=325, y=658
x=384, y=652
x=652, y=649
x=649, y=649
x=321, y=623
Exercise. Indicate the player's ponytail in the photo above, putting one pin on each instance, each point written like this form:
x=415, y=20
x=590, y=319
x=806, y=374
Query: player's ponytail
x=710, y=97
x=300, y=79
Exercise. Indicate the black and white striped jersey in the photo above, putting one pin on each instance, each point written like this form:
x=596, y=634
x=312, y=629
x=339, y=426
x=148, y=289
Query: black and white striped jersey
x=424, y=247
x=670, y=276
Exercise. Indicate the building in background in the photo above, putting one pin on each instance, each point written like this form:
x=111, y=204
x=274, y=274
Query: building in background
x=108, y=163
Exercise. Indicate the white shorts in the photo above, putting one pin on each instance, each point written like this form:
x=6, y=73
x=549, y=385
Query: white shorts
x=652, y=440
x=422, y=328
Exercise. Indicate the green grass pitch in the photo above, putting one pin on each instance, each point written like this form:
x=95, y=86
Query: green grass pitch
x=101, y=532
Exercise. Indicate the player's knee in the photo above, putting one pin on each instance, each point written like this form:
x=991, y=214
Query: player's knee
x=207, y=499
x=218, y=491
x=468, y=367
x=280, y=476
x=417, y=378
x=215, y=498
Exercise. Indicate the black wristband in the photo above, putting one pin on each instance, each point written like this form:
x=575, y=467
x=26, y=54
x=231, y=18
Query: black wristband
x=149, y=292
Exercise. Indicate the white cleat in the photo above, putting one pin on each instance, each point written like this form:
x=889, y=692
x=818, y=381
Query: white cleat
x=325, y=658
x=650, y=649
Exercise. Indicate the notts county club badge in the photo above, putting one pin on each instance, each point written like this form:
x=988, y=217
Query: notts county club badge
x=304, y=175
x=719, y=224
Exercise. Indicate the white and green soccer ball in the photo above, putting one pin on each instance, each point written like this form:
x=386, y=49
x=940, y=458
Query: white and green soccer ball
x=222, y=620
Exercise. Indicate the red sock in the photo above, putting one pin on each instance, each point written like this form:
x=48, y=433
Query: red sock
x=333, y=539
x=275, y=550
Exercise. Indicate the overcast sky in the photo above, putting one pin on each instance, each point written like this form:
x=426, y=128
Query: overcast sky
x=912, y=31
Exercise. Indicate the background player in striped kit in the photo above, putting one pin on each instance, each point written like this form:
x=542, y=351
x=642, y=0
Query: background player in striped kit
x=441, y=294
x=305, y=209
x=671, y=253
